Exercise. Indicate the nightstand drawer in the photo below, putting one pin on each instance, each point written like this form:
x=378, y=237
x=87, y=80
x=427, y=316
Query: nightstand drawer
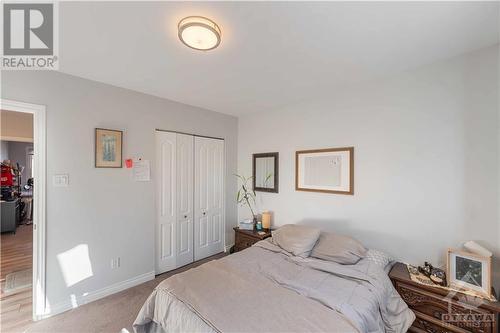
x=424, y=323
x=243, y=241
x=246, y=238
x=438, y=307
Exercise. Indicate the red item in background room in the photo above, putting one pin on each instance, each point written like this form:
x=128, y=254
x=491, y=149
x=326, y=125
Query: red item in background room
x=7, y=178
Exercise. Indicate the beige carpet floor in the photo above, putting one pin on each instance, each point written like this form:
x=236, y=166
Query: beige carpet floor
x=112, y=314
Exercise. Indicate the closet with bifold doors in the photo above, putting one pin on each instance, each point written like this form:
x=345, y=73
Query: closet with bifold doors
x=190, y=199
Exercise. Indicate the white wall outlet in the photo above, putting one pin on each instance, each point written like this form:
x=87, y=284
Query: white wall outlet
x=115, y=263
x=60, y=180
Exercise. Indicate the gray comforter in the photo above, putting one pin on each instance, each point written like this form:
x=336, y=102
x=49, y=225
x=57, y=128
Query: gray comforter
x=265, y=289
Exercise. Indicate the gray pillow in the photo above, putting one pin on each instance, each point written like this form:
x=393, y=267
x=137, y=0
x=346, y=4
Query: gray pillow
x=338, y=248
x=296, y=239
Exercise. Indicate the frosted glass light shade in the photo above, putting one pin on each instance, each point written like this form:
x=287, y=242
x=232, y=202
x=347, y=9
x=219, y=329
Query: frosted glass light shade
x=266, y=220
x=199, y=33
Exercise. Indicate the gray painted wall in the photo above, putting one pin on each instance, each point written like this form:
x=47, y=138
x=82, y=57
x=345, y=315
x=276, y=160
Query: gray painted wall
x=104, y=210
x=4, y=150
x=426, y=159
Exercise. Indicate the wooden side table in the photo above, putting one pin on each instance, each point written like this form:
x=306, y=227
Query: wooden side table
x=439, y=311
x=247, y=238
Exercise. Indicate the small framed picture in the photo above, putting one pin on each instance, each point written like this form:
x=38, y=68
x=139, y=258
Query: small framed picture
x=325, y=170
x=108, y=148
x=469, y=271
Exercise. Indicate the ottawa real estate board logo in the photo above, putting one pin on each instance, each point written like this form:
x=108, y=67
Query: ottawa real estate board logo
x=30, y=39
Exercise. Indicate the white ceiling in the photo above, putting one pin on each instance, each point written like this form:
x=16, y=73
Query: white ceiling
x=272, y=54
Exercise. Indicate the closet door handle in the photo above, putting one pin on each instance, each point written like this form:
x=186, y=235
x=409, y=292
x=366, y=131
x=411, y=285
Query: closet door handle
x=185, y=216
x=204, y=213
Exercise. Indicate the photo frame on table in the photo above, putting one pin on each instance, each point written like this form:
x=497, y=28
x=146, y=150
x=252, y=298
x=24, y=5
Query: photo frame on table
x=469, y=271
x=108, y=148
x=325, y=170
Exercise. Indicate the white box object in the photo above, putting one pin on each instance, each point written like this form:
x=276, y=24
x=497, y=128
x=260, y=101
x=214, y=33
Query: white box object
x=474, y=247
x=246, y=225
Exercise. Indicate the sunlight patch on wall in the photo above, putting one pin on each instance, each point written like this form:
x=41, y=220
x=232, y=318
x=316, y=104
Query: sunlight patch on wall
x=75, y=264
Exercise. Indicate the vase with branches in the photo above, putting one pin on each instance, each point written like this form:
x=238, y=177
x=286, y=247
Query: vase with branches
x=246, y=195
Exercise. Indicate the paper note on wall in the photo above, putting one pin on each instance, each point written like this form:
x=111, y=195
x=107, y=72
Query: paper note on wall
x=142, y=171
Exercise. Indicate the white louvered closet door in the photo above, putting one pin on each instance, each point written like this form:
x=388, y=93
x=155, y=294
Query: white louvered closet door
x=208, y=198
x=166, y=203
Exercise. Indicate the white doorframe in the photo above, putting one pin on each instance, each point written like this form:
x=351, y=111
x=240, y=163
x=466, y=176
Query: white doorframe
x=39, y=198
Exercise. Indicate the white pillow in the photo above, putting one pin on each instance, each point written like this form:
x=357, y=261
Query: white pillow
x=379, y=258
x=296, y=239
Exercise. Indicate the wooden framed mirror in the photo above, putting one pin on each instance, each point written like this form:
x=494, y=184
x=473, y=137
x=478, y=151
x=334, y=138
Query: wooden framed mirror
x=265, y=172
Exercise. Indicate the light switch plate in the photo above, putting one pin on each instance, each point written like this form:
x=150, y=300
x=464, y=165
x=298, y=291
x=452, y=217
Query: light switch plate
x=60, y=180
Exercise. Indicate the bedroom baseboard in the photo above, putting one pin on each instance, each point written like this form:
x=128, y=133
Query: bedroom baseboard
x=76, y=301
x=227, y=248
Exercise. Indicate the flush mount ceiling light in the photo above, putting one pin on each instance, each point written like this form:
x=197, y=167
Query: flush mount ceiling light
x=199, y=33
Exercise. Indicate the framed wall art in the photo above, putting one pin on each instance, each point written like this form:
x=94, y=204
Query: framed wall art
x=325, y=170
x=108, y=148
x=469, y=271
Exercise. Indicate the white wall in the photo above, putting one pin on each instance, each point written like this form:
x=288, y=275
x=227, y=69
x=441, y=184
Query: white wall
x=497, y=276
x=104, y=209
x=426, y=158
x=16, y=126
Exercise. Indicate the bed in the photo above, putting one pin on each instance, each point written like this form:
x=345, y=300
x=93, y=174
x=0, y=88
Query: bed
x=267, y=289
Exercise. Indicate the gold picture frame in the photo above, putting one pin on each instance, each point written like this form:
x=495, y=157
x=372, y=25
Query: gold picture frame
x=108, y=148
x=325, y=170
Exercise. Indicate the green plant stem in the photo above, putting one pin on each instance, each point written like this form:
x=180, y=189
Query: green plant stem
x=249, y=206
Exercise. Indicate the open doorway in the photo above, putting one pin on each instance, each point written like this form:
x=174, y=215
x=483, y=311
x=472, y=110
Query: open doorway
x=22, y=253
x=16, y=222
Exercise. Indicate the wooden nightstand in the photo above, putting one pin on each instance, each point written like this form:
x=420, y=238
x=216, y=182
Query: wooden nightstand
x=434, y=308
x=247, y=238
